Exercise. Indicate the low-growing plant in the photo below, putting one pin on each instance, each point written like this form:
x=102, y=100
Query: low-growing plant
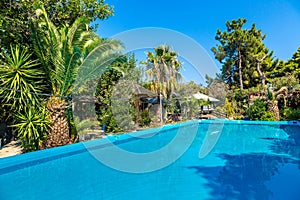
x=257, y=109
x=228, y=108
x=32, y=126
x=291, y=114
x=238, y=117
x=268, y=116
x=145, y=118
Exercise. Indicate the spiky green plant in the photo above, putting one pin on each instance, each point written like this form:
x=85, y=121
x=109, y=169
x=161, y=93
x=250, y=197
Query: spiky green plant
x=32, y=126
x=20, y=79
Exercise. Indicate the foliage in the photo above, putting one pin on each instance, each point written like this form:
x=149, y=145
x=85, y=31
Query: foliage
x=145, y=118
x=249, y=65
x=32, y=126
x=294, y=63
x=228, y=108
x=257, y=110
x=220, y=109
x=106, y=84
x=190, y=108
x=239, y=100
x=64, y=53
x=238, y=117
x=291, y=114
x=186, y=89
x=268, y=116
x=236, y=52
x=66, y=50
x=20, y=79
x=292, y=66
x=163, y=67
x=70, y=50
x=84, y=126
x=15, y=17
x=218, y=89
x=173, y=108
x=289, y=80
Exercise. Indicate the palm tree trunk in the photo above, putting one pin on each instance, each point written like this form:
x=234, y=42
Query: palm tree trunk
x=59, y=131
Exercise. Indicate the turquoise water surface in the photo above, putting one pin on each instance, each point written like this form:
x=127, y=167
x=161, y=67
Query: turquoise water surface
x=250, y=160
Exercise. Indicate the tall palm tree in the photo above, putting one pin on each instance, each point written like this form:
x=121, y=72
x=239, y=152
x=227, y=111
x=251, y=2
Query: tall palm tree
x=65, y=53
x=163, y=67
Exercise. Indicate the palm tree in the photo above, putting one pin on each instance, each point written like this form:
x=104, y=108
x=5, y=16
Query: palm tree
x=163, y=66
x=65, y=53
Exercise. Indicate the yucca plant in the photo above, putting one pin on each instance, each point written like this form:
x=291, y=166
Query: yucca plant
x=32, y=125
x=20, y=83
x=65, y=53
x=21, y=79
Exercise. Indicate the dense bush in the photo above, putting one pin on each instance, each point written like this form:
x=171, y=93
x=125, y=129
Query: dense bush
x=228, y=108
x=145, y=118
x=268, y=116
x=291, y=114
x=257, y=109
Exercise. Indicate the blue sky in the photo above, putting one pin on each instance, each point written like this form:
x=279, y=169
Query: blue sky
x=278, y=19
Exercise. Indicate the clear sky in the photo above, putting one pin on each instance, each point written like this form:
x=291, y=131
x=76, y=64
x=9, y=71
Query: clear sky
x=278, y=19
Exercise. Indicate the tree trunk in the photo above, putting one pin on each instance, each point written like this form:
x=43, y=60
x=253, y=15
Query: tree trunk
x=240, y=70
x=59, y=131
x=273, y=107
x=262, y=76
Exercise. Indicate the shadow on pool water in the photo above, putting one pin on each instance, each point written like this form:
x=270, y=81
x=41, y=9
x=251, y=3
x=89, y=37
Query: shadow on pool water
x=258, y=175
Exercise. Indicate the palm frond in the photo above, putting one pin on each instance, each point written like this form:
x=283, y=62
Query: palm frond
x=98, y=61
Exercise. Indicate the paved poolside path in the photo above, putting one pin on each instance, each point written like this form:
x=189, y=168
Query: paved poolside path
x=11, y=149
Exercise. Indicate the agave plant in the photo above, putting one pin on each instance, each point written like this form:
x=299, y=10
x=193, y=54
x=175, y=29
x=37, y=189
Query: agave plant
x=65, y=53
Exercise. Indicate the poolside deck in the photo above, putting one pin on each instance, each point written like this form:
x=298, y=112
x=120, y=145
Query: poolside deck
x=11, y=149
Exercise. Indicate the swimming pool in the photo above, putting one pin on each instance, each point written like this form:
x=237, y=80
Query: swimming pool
x=250, y=160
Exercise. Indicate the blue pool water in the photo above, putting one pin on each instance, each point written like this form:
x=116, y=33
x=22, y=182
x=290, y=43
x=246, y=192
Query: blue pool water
x=250, y=160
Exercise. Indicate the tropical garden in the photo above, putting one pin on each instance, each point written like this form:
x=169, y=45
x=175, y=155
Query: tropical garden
x=51, y=56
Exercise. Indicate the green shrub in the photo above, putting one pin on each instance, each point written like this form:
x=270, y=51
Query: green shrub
x=145, y=118
x=291, y=114
x=256, y=111
x=228, y=108
x=238, y=117
x=268, y=116
x=220, y=109
x=32, y=126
